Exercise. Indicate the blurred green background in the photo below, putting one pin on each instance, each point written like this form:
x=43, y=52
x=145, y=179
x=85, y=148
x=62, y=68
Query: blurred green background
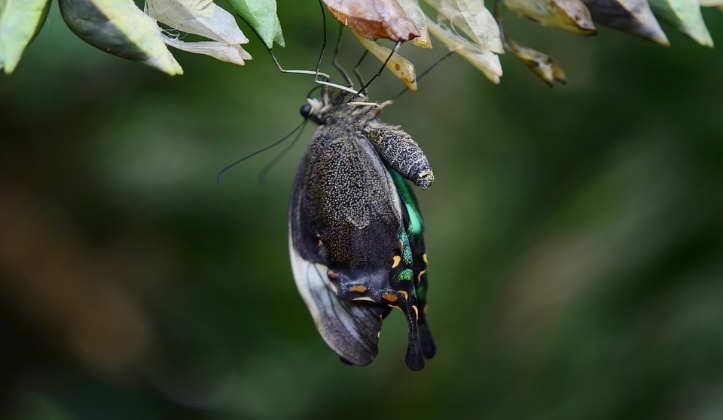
x=575, y=236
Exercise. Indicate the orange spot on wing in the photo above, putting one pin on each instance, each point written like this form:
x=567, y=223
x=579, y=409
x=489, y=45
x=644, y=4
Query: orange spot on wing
x=359, y=288
x=390, y=297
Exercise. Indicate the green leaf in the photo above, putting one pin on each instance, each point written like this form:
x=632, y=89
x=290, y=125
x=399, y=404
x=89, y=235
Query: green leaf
x=685, y=16
x=261, y=15
x=118, y=27
x=20, y=21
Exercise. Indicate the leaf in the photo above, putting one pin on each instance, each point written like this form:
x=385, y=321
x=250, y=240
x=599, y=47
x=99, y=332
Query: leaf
x=414, y=12
x=485, y=60
x=20, y=21
x=631, y=16
x=472, y=18
x=398, y=65
x=374, y=19
x=261, y=15
x=118, y=27
x=570, y=15
x=204, y=18
x=685, y=16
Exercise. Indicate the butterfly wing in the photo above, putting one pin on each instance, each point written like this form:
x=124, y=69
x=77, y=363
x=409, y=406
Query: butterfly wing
x=324, y=189
x=415, y=226
x=350, y=328
x=346, y=201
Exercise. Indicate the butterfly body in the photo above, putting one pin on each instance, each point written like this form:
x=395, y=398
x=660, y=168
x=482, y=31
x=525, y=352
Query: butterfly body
x=356, y=239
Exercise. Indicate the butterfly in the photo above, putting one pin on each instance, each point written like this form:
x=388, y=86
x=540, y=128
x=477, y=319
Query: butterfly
x=355, y=230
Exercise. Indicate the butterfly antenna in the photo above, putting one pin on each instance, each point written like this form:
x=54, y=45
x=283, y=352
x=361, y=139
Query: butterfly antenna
x=267, y=168
x=219, y=177
x=425, y=72
x=381, y=69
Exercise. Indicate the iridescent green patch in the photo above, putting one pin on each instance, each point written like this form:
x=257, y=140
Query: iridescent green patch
x=416, y=225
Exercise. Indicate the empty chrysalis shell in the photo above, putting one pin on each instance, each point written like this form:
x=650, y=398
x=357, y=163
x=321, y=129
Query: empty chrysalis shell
x=570, y=15
x=374, y=18
x=398, y=65
x=631, y=16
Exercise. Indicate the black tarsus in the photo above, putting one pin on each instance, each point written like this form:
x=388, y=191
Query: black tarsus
x=424, y=73
x=315, y=73
x=335, y=61
x=363, y=89
x=358, y=64
x=323, y=45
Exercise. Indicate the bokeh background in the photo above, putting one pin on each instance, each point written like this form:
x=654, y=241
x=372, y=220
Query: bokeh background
x=575, y=236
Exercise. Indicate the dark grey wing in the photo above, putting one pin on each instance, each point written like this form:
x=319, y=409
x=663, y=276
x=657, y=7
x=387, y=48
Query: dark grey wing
x=350, y=328
x=350, y=199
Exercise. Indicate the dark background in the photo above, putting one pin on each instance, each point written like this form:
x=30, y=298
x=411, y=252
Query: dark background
x=574, y=235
